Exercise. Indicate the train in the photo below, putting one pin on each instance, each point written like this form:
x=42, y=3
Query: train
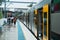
x=43, y=20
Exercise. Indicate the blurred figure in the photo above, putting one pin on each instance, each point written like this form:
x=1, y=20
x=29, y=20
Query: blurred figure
x=9, y=18
x=14, y=20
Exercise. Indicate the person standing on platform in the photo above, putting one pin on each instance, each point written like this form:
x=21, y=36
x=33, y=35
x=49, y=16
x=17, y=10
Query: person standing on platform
x=14, y=21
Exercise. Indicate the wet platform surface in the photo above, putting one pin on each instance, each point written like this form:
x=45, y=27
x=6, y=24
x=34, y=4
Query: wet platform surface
x=16, y=32
x=9, y=33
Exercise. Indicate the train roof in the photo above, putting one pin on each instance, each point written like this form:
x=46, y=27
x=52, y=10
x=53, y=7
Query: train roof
x=39, y=5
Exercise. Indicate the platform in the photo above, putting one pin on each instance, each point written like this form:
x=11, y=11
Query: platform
x=17, y=32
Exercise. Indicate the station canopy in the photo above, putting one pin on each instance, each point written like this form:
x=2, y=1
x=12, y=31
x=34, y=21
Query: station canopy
x=19, y=4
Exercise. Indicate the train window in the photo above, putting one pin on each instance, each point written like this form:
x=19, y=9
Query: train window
x=45, y=14
x=45, y=17
x=55, y=6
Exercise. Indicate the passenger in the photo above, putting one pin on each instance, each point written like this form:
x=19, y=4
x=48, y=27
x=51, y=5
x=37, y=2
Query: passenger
x=8, y=20
x=14, y=20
